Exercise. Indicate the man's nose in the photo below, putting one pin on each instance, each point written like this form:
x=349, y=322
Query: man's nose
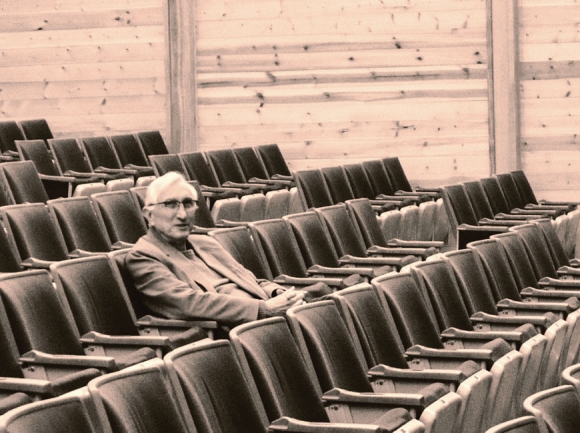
x=181, y=213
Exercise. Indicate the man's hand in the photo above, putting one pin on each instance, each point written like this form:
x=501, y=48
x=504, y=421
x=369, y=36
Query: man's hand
x=278, y=305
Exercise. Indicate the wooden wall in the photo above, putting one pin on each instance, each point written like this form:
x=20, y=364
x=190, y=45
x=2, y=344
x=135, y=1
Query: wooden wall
x=340, y=81
x=90, y=67
x=550, y=96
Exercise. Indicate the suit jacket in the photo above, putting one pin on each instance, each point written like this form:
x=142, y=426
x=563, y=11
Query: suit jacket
x=164, y=277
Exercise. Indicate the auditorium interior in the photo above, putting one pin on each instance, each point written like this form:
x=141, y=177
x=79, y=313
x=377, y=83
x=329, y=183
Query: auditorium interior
x=415, y=159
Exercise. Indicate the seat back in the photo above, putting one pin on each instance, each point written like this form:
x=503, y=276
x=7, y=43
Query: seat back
x=273, y=159
x=313, y=239
x=100, y=153
x=277, y=203
x=555, y=245
x=556, y=348
x=344, y=232
x=35, y=232
x=141, y=399
x=9, y=132
x=478, y=199
x=378, y=177
x=24, y=183
x=372, y=324
x=36, y=129
x=397, y=174
x=253, y=207
x=128, y=150
x=74, y=412
x=38, y=319
x=474, y=392
x=556, y=409
x=117, y=258
x=426, y=220
x=440, y=284
x=152, y=143
x=68, y=155
x=524, y=424
x=338, y=184
x=198, y=168
x=518, y=259
x=458, y=206
x=510, y=190
x=495, y=195
x=280, y=247
x=312, y=188
x=250, y=162
x=362, y=212
x=93, y=289
x=524, y=187
x=10, y=354
x=217, y=394
x=163, y=164
x=286, y=382
x=225, y=165
x=82, y=229
x=390, y=222
x=359, y=181
x=537, y=250
x=202, y=215
x=123, y=221
x=37, y=152
x=409, y=228
x=472, y=281
x=533, y=352
x=442, y=226
x=239, y=243
x=336, y=360
x=406, y=303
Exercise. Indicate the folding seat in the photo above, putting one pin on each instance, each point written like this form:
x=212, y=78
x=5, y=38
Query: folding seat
x=285, y=380
x=74, y=412
x=254, y=168
x=253, y=207
x=348, y=240
x=130, y=153
x=23, y=182
x=217, y=393
x=556, y=409
x=93, y=289
x=296, y=203
x=37, y=236
x=83, y=231
x=274, y=161
x=337, y=364
x=571, y=376
x=527, y=193
x=123, y=220
x=44, y=330
x=141, y=399
x=54, y=184
x=226, y=211
x=71, y=161
x=524, y=424
x=277, y=203
x=316, y=245
x=36, y=129
x=152, y=143
x=103, y=159
x=9, y=133
x=312, y=189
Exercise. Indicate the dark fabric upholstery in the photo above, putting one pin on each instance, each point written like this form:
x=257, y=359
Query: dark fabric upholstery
x=273, y=159
x=152, y=143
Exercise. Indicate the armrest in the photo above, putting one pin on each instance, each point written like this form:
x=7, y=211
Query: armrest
x=119, y=245
x=402, y=251
x=280, y=182
x=293, y=425
x=32, y=263
x=75, y=254
x=67, y=179
x=254, y=186
x=570, y=284
x=551, y=212
x=561, y=295
x=389, y=379
x=44, y=366
x=561, y=309
x=115, y=171
x=497, y=223
x=96, y=338
x=472, y=339
x=81, y=174
x=29, y=386
x=340, y=283
x=396, y=243
x=11, y=153
x=399, y=262
x=152, y=326
x=205, y=188
x=557, y=203
x=282, y=177
x=488, y=322
x=140, y=169
x=562, y=207
x=365, y=272
x=569, y=272
x=511, y=218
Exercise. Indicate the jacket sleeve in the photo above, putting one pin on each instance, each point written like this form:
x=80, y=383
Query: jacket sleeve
x=168, y=296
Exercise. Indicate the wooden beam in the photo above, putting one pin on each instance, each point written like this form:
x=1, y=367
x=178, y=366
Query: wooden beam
x=181, y=82
x=504, y=110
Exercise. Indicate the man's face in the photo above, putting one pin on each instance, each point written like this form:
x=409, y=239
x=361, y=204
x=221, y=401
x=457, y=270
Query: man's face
x=173, y=224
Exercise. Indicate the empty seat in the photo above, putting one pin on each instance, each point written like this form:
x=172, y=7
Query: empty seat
x=556, y=409
x=24, y=182
x=152, y=143
x=274, y=161
x=9, y=133
x=163, y=164
x=36, y=129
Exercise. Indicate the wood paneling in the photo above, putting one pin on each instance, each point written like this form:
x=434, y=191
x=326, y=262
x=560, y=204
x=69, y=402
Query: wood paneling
x=339, y=81
x=89, y=68
x=550, y=80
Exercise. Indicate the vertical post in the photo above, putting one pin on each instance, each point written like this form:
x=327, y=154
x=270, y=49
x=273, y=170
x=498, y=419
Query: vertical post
x=180, y=73
x=504, y=91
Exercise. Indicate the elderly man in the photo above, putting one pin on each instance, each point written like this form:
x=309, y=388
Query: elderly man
x=185, y=276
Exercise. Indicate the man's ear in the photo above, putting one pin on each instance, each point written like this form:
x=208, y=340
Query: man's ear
x=147, y=214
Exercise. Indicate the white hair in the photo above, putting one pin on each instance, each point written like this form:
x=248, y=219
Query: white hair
x=164, y=182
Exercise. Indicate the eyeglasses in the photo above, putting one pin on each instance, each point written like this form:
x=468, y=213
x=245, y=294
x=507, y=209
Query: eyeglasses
x=187, y=203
